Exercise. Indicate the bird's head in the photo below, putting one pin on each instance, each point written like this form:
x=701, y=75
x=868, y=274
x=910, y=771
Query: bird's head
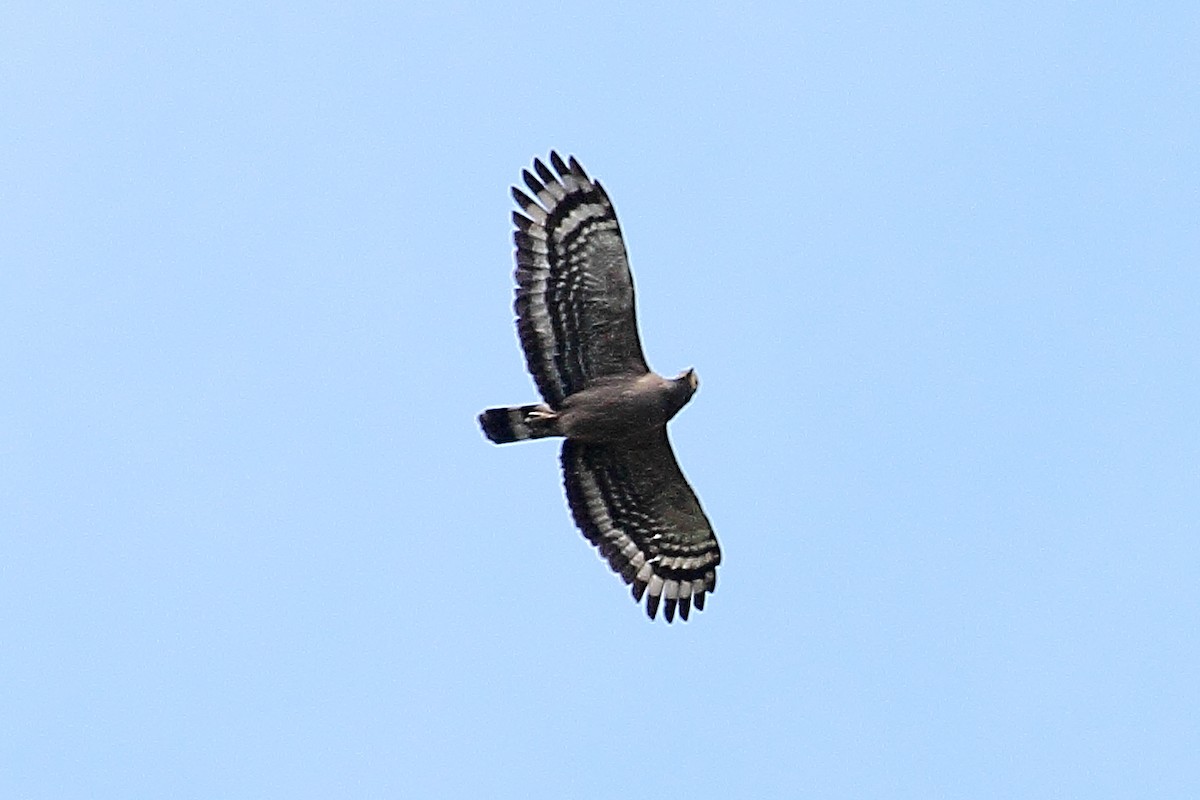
x=682, y=387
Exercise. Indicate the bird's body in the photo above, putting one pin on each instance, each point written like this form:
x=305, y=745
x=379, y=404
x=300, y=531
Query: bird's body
x=577, y=324
x=622, y=407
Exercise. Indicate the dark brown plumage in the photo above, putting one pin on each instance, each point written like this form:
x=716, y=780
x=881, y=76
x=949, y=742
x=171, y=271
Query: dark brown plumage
x=577, y=325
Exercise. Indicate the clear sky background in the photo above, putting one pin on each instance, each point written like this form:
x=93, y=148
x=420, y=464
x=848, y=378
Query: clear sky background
x=938, y=268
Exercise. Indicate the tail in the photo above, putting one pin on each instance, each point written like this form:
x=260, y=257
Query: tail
x=517, y=423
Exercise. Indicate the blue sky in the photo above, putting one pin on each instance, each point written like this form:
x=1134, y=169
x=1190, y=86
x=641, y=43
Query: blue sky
x=937, y=266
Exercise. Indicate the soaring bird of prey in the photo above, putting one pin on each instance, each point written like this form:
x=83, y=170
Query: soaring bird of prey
x=578, y=328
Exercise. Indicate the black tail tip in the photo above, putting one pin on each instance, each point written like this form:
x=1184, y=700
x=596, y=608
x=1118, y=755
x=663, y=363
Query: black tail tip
x=497, y=425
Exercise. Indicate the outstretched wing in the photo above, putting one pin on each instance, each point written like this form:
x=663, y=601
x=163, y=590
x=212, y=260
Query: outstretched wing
x=574, y=304
x=631, y=500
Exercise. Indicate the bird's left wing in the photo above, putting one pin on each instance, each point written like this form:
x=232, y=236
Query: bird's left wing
x=632, y=501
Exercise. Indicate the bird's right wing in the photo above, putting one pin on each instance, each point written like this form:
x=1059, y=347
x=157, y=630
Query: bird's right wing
x=574, y=299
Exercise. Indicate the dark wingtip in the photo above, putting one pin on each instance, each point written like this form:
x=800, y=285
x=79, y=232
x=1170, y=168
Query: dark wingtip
x=577, y=169
x=639, y=587
x=534, y=185
x=600, y=189
x=557, y=162
x=521, y=221
x=523, y=200
x=669, y=609
x=523, y=240
x=543, y=171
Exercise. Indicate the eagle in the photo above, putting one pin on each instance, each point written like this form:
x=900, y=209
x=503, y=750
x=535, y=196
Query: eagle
x=577, y=326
